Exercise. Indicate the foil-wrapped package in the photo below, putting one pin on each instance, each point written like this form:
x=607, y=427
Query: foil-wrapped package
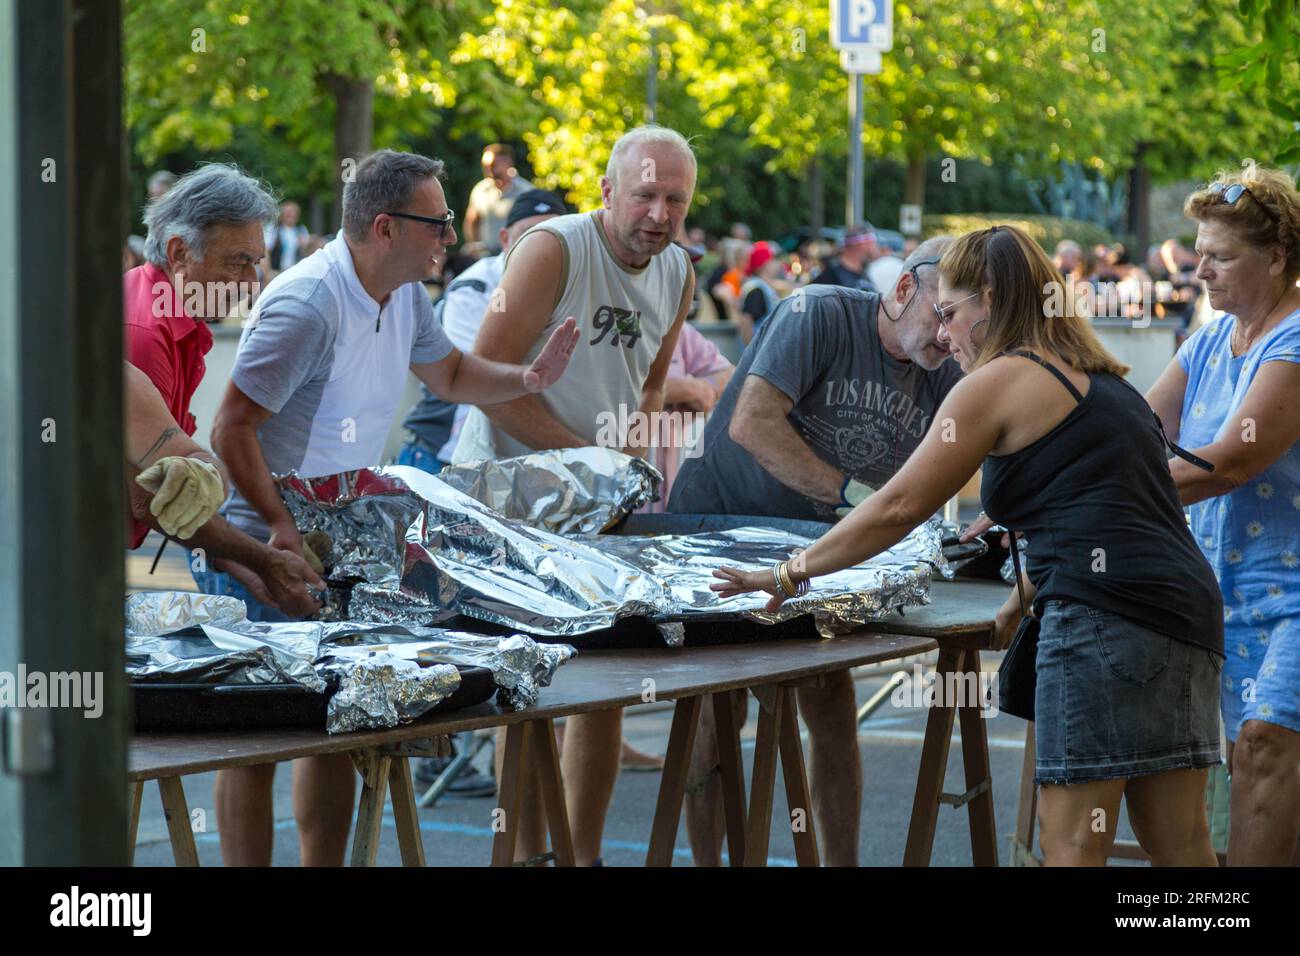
x=685, y=563
x=956, y=553
x=566, y=490
x=160, y=612
x=191, y=658
x=385, y=691
x=520, y=666
x=391, y=684
x=413, y=550
x=181, y=637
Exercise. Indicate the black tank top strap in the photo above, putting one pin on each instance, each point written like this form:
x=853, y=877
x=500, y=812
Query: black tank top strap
x=1060, y=376
x=1173, y=447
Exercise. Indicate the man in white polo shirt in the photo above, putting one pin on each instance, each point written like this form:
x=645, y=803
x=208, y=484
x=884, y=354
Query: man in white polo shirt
x=618, y=271
x=315, y=387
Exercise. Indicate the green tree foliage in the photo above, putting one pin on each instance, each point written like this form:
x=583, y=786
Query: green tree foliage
x=1197, y=123
x=1016, y=86
x=1266, y=67
x=259, y=79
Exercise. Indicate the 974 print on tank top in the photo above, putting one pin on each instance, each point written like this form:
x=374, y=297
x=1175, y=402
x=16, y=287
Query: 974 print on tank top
x=1250, y=536
x=624, y=314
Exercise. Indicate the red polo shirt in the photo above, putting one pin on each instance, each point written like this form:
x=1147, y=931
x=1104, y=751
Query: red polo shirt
x=165, y=344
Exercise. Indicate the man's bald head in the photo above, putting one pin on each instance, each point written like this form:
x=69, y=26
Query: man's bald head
x=647, y=190
x=630, y=151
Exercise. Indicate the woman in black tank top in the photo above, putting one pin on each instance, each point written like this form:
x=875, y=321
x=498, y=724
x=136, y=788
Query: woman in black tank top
x=1131, y=620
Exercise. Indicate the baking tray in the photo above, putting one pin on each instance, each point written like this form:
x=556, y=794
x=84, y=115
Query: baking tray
x=169, y=707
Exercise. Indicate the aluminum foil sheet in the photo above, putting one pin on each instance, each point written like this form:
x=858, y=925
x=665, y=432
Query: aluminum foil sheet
x=458, y=556
x=191, y=658
x=390, y=685
x=567, y=490
x=385, y=691
x=414, y=551
x=182, y=637
x=160, y=612
x=894, y=579
x=520, y=666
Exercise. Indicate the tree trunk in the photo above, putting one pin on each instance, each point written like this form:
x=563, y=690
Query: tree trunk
x=316, y=215
x=914, y=182
x=354, y=125
x=1139, y=204
x=816, y=197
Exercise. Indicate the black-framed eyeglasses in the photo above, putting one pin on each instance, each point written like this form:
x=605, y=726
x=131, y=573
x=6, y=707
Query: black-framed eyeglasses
x=1228, y=195
x=443, y=224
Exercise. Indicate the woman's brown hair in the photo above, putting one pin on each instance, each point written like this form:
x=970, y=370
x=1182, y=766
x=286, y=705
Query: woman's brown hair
x=1266, y=217
x=1031, y=306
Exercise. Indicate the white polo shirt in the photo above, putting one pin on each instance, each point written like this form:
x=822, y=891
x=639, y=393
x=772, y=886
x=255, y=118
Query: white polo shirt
x=330, y=365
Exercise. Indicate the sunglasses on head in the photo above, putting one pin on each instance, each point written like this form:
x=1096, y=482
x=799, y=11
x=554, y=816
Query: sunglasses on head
x=1228, y=195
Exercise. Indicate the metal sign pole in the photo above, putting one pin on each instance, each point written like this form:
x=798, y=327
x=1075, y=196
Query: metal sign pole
x=861, y=30
x=856, y=178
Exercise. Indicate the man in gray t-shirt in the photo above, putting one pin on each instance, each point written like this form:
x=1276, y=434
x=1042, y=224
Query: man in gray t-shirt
x=855, y=408
x=836, y=390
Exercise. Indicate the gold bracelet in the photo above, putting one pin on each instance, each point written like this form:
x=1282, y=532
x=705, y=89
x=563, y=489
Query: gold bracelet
x=780, y=583
x=786, y=580
x=799, y=588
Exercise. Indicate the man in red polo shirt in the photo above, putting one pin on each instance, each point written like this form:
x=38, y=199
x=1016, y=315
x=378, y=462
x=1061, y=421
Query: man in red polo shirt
x=205, y=238
x=175, y=486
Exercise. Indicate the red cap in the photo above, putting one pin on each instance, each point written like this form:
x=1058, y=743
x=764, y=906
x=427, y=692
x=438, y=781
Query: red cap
x=761, y=255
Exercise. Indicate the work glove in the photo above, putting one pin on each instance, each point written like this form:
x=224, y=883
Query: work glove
x=315, y=546
x=852, y=494
x=186, y=493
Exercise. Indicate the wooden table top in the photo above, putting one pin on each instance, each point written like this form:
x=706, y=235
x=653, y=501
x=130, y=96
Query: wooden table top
x=961, y=610
x=607, y=679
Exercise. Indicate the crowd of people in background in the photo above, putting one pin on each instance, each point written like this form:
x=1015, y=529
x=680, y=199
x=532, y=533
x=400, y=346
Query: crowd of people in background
x=740, y=279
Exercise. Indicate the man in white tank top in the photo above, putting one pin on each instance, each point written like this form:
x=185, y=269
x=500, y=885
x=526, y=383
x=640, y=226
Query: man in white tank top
x=617, y=271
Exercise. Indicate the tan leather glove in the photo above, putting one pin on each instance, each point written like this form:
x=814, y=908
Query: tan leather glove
x=186, y=493
x=315, y=546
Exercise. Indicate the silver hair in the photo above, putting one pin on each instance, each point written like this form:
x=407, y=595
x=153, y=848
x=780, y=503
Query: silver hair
x=932, y=248
x=214, y=194
x=650, y=134
x=385, y=181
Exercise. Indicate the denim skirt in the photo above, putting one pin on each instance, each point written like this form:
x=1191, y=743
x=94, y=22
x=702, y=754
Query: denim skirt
x=1115, y=699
